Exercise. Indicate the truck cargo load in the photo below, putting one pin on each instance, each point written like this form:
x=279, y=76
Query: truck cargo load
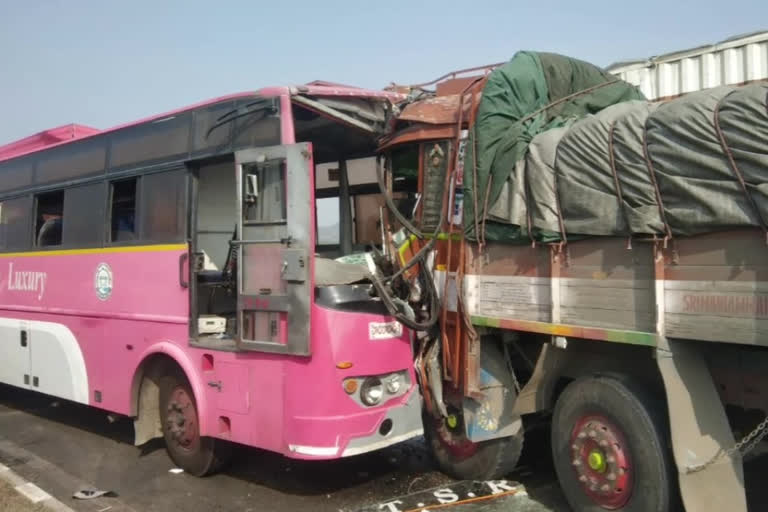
x=692, y=165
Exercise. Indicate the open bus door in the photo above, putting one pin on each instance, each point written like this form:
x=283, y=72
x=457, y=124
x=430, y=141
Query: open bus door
x=274, y=248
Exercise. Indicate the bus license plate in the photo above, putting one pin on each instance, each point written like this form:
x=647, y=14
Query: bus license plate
x=384, y=330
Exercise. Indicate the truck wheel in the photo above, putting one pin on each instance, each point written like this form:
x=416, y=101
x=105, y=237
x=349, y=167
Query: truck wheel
x=610, y=447
x=461, y=458
x=194, y=454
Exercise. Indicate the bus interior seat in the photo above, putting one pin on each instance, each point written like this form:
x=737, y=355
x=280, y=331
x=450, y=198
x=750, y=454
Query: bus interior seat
x=211, y=274
x=50, y=233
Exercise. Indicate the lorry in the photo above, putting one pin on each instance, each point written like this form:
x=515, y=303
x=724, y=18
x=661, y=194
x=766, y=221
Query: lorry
x=573, y=255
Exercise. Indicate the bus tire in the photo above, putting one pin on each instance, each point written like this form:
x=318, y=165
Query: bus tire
x=610, y=448
x=461, y=458
x=191, y=452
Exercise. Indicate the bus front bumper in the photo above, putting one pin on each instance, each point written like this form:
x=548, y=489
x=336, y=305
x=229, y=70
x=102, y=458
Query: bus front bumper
x=389, y=426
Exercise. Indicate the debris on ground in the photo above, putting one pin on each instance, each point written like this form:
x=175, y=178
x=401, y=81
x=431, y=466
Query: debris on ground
x=90, y=494
x=464, y=496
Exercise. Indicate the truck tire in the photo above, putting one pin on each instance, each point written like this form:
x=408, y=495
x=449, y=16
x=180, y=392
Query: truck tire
x=194, y=454
x=461, y=458
x=610, y=447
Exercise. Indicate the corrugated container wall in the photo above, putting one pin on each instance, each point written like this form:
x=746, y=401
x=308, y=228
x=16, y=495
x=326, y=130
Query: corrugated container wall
x=735, y=61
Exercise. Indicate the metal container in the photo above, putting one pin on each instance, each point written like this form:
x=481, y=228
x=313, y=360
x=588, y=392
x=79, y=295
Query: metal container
x=735, y=61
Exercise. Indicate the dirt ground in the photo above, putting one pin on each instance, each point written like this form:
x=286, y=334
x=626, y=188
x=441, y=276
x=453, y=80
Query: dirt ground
x=12, y=501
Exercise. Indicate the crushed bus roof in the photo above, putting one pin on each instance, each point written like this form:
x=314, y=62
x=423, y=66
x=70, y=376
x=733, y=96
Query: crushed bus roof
x=73, y=132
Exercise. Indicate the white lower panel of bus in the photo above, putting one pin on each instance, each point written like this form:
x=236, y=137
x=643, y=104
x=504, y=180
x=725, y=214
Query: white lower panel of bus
x=42, y=356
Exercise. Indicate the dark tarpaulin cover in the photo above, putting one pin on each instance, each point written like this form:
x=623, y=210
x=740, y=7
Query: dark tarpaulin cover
x=509, y=116
x=609, y=164
x=693, y=165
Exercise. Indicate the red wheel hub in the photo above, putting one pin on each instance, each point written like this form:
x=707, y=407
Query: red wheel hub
x=451, y=434
x=600, y=456
x=181, y=419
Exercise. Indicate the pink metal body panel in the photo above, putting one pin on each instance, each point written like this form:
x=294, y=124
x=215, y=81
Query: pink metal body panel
x=265, y=400
x=66, y=133
x=270, y=401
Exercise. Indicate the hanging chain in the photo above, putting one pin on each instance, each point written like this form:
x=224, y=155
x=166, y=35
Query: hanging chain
x=744, y=446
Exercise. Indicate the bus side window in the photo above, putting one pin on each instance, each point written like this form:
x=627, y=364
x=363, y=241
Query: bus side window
x=15, y=223
x=48, y=218
x=163, y=206
x=123, y=210
x=84, y=215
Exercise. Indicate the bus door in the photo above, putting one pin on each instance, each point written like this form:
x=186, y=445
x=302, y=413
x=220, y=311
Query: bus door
x=274, y=248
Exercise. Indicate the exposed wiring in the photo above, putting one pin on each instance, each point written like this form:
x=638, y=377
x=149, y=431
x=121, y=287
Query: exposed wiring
x=391, y=204
x=424, y=274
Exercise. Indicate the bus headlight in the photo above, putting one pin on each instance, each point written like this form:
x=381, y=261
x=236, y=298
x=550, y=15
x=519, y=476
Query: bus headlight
x=394, y=383
x=372, y=391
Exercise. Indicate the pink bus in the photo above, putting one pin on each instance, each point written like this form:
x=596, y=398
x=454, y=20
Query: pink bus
x=168, y=270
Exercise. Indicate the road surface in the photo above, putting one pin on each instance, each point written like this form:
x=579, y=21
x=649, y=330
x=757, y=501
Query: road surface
x=64, y=447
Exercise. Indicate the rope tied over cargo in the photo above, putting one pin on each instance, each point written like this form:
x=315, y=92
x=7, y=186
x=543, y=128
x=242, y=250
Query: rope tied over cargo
x=735, y=168
x=656, y=190
x=617, y=184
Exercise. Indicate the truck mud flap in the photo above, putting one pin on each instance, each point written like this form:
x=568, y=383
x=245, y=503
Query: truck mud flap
x=699, y=429
x=492, y=415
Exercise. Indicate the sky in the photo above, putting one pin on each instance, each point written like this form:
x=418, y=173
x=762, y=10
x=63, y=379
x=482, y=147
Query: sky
x=103, y=63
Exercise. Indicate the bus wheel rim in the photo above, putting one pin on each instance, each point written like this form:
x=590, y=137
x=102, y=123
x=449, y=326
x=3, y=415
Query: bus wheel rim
x=602, y=462
x=181, y=419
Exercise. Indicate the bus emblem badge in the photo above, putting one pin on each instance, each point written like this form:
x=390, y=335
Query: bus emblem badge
x=103, y=281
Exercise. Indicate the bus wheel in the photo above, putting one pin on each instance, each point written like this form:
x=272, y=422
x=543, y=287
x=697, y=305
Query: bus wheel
x=194, y=454
x=609, y=447
x=461, y=458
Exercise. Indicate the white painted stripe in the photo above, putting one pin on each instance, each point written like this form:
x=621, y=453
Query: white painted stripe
x=11, y=478
x=56, y=360
x=381, y=444
x=555, y=300
x=519, y=297
x=32, y=492
x=660, y=306
x=317, y=451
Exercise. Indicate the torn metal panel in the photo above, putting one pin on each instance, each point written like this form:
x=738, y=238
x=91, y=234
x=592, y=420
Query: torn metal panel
x=439, y=109
x=327, y=89
x=330, y=272
x=419, y=133
x=323, y=109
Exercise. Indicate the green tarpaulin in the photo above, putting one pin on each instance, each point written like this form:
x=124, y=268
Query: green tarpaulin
x=512, y=111
x=608, y=163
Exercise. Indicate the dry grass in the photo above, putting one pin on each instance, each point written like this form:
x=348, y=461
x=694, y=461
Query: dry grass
x=12, y=501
